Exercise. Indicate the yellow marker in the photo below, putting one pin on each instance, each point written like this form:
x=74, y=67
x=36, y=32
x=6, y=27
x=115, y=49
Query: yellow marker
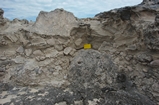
x=87, y=46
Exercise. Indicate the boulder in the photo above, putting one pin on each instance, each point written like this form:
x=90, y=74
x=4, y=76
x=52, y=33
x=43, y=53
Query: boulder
x=57, y=22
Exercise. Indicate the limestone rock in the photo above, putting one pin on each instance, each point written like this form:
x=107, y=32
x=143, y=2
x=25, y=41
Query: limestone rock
x=154, y=63
x=12, y=37
x=59, y=47
x=50, y=41
x=30, y=64
x=53, y=24
x=78, y=42
x=79, y=102
x=38, y=42
x=20, y=49
x=50, y=52
x=38, y=53
x=61, y=103
x=67, y=50
x=28, y=52
x=143, y=57
x=19, y=59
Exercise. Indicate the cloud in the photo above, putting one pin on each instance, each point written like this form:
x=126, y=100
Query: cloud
x=29, y=9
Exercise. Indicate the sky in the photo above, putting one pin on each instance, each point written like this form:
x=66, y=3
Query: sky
x=29, y=9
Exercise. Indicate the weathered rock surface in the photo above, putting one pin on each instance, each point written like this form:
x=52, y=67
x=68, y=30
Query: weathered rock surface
x=44, y=63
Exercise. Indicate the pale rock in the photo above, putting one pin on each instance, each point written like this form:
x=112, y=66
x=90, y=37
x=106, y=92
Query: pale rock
x=129, y=68
x=144, y=70
x=67, y=50
x=122, y=54
x=30, y=64
x=19, y=59
x=9, y=52
x=59, y=47
x=38, y=53
x=23, y=40
x=94, y=102
x=50, y=41
x=105, y=46
x=20, y=49
x=57, y=22
x=28, y=52
x=78, y=102
x=155, y=63
x=40, y=58
x=12, y=37
x=116, y=60
x=50, y=52
x=128, y=57
x=61, y=103
x=38, y=42
x=3, y=58
x=57, y=83
x=155, y=87
x=58, y=68
x=56, y=73
x=78, y=42
x=72, y=52
x=45, y=62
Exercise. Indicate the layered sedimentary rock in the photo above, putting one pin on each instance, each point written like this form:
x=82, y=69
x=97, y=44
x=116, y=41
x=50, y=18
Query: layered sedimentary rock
x=45, y=63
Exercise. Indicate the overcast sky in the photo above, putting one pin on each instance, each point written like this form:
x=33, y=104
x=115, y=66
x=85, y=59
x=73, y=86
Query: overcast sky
x=29, y=9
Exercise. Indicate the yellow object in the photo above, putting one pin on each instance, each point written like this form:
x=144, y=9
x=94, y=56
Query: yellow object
x=87, y=46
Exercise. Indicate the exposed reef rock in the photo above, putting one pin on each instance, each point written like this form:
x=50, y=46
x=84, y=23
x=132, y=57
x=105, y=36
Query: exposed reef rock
x=44, y=63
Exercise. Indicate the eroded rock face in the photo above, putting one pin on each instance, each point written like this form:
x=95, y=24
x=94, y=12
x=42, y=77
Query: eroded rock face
x=123, y=60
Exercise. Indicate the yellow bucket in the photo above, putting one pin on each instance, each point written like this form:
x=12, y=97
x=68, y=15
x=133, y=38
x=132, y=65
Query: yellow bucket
x=87, y=46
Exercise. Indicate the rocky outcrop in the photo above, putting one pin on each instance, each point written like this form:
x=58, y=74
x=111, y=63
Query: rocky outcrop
x=45, y=60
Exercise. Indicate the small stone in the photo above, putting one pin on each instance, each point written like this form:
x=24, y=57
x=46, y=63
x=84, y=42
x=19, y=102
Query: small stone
x=122, y=54
x=20, y=49
x=144, y=70
x=67, y=50
x=78, y=102
x=38, y=42
x=40, y=58
x=58, y=47
x=51, y=41
x=51, y=52
x=155, y=63
x=143, y=57
x=58, y=68
x=61, y=103
x=129, y=57
x=129, y=68
x=2, y=69
x=19, y=59
x=78, y=42
x=38, y=53
x=28, y=52
x=116, y=60
x=3, y=58
x=72, y=52
x=155, y=87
